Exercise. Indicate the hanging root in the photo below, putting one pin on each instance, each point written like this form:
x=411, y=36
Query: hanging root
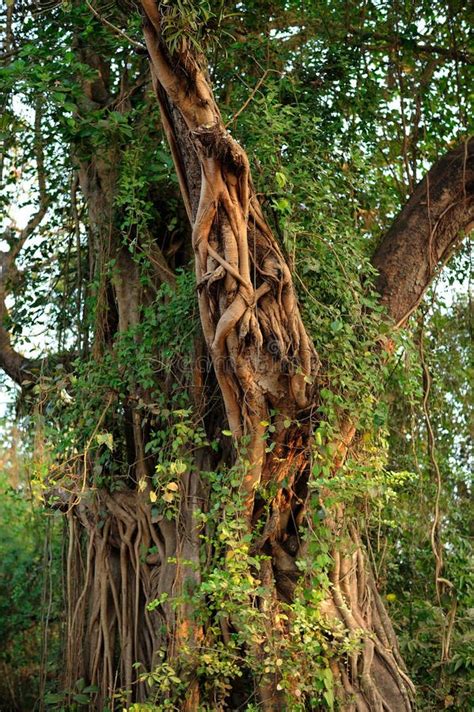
x=111, y=577
x=373, y=674
x=262, y=356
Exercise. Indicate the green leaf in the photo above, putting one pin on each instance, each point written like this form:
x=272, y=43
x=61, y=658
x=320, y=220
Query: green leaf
x=280, y=179
x=82, y=699
x=283, y=205
x=329, y=697
x=52, y=698
x=105, y=439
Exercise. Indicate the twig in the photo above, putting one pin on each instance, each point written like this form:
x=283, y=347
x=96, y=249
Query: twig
x=88, y=445
x=116, y=29
x=249, y=98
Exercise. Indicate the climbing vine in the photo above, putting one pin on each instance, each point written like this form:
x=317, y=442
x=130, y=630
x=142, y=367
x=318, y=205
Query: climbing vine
x=226, y=442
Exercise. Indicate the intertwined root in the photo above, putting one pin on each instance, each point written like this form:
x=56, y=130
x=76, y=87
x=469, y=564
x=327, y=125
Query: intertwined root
x=262, y=356
x=119, y=561
x=373, y=677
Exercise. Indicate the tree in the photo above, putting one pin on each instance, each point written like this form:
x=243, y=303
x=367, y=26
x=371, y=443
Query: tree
x=214, y=556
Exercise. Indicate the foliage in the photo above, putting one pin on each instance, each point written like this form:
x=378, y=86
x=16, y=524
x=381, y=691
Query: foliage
x=30, y=563
x=406, y=571
x=341, y=108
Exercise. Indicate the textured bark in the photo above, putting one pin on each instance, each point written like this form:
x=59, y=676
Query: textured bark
x=110, y=584
x=261, y=353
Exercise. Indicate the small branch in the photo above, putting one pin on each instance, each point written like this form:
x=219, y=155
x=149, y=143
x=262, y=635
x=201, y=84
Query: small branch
x=397, y=43
x=116, y=30
x=44, y=201
x=436, y=544
x=39, y=152
x=158, y=261
x=7, y=55
x=249, y=99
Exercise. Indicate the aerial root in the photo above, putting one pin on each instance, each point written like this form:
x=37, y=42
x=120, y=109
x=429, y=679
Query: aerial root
x=373, y=675
x=108, y=587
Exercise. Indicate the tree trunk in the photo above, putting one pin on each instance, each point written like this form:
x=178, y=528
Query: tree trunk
x=111, y=576
x=267, y=368
x=139, y=587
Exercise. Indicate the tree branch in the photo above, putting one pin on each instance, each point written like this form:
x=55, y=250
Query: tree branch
x=390, y=43
x=426, y=232
x=13, y=363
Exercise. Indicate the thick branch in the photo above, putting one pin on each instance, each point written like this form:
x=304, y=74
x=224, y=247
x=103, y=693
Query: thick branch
x=12, y=362
x=426, y=232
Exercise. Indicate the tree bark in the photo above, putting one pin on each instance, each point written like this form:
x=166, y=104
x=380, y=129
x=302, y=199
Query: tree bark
x=262, y=356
